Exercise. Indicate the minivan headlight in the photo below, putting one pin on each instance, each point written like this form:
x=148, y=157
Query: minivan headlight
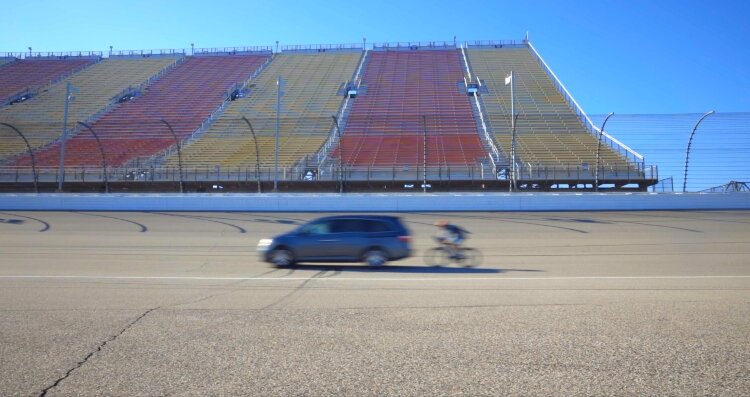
x=264, y=243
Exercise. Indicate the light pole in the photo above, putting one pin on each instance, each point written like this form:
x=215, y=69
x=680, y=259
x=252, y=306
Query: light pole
x=101, y=151
x=257, y=153
x=179, y=153
x=687, y=152
x=341, y=155
x=424, y=153
x=192, y=48
x=598, y=148
x=69, y=91
x=31, y=154
x=29, y=52
x=279, y=93
x=110, y=51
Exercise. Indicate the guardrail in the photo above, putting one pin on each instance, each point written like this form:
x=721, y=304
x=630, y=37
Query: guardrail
x=131, y=53
x=629, y=154
x=414, y=45
x=565, y=174
x=16, y=55
x=63, y=54
x=322, y=47
x=495, y=43
x=231, y=50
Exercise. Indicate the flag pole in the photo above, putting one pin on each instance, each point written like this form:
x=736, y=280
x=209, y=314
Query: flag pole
x=513, y=135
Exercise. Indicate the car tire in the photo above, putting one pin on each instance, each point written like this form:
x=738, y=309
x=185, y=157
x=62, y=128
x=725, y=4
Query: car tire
x=281, y=257
x=374, y=257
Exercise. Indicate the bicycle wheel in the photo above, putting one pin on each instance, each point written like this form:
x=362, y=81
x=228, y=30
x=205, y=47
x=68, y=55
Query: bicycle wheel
x=472, y=257
x=436, y=257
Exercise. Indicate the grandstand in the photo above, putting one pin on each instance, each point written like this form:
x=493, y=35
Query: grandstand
x=412, y=99
x=41, y=118
x=312, y=82
x=405, y=111
x=185, y=97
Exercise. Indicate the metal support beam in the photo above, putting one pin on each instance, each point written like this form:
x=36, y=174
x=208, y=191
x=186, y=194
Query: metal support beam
x=31, y=154
x=179, y=153
x=101, y=151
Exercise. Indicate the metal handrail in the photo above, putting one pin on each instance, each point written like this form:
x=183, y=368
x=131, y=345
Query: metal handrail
x=61, y=54
x=490, y=141
x=315, y=47
x=208, y=121
x=413, y=44
x=333, y=136
x=611, y=141
x=494, y=43
x=527, y=173
x=169, y=51
x=228, y=50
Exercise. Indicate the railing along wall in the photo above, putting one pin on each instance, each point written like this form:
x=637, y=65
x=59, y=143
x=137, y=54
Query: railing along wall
x=570, y=174
x=321, y=47
x=495, y=153
x=619, y=147
x=35, y=91
x=208, y=121
x=333, y=136
x=146, y=53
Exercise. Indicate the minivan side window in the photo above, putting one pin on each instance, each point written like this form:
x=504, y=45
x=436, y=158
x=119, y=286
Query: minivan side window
x=378, y=226
x=317, y=228
x=349, y=226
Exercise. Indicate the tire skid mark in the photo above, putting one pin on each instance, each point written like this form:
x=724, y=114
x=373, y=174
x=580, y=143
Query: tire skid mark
x=46, y=225
x=201, y=218
x=142, y=226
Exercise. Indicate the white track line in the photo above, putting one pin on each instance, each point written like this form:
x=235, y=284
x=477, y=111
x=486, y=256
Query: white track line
x=196, y=278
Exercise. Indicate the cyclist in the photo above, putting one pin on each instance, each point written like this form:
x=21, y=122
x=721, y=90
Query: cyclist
x=451, y=236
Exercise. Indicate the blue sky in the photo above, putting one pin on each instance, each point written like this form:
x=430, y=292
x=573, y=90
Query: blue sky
x=624, y=56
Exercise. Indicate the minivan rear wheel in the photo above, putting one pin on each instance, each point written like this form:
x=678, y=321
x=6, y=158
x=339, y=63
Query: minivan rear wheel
x=281, y=257
x=374, y=257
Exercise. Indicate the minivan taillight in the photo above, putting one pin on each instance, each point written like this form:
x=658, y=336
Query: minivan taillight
x=405, y=239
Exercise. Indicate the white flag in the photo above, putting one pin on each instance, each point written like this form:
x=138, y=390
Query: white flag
x=508, y=79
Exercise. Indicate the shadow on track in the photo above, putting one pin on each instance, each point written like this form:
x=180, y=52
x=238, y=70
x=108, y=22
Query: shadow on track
x=401, y=269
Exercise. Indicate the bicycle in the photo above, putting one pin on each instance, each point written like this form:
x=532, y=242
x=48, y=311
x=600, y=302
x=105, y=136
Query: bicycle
x=462, y=256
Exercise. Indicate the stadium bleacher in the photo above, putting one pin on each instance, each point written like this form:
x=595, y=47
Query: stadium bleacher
x=29, y=74
x=548, y=131
x=41, y=118
x=311, y=83
x=184, y=97
x=406, y=90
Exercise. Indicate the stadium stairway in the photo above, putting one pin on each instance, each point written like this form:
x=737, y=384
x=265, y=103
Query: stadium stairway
x=98, y=86
x=311, y=85
x=412, y=99
x=26, y=75
x=132, y=130
x=548, y=131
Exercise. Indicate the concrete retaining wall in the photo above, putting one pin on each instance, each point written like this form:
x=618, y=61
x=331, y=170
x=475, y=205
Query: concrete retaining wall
x=375, y=202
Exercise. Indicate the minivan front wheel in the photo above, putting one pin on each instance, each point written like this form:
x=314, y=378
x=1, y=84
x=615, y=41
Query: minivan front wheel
x=281, y=257
x=374, y=257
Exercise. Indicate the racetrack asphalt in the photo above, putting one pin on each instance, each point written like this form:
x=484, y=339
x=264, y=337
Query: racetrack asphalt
x=565, y=303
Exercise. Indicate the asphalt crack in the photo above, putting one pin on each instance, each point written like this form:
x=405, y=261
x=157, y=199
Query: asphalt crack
x=92, y=353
